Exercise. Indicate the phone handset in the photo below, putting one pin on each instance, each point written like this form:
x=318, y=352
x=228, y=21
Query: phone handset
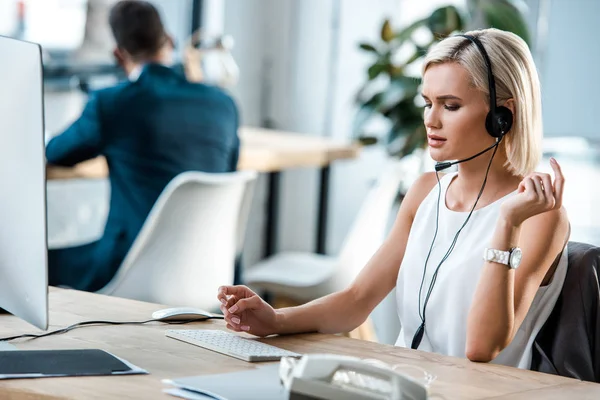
x=328, y=376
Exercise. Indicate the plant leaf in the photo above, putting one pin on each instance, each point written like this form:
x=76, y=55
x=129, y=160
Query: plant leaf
x=368, y=140
x=387, y=33
x=366, y=111
x=376, y=69
x=406, y=139
x=368, y=47
x=362, y=116
x=395, y=70
x=445, y=20
x=407, y=32
x=417, y=55
x=502, y=14
x=399, y=89
x=416, y=139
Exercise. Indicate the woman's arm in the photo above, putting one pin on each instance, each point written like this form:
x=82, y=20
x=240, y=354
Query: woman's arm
x=537, y=223
x=345, y=310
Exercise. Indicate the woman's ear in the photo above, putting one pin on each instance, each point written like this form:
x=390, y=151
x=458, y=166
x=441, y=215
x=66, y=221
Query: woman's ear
x=510, y=104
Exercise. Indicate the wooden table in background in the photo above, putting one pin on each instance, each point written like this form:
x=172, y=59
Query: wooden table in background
x=147, y=347
x=262, y=150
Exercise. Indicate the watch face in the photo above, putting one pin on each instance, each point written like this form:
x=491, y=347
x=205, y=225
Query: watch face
x=515, y=257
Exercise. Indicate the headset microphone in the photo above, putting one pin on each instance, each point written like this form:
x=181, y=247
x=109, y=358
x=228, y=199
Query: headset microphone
x=447, y=164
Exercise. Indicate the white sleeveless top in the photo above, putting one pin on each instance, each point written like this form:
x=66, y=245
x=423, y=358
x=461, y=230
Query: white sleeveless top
x=450, y=300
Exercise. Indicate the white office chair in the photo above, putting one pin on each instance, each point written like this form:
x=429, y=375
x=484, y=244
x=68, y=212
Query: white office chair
x=307, y=276
x=187, y=246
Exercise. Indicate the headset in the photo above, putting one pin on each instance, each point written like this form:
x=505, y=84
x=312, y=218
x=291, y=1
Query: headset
x=499, y=119
x=498, y=122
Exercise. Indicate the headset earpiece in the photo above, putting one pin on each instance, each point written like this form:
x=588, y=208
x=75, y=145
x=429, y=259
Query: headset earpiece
x=500, y=119
x=499, y=122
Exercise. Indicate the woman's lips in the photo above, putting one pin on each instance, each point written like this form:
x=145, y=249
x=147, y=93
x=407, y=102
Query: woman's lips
x=435, y=141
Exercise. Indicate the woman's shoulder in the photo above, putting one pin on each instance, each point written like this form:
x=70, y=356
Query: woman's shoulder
x=419, y=190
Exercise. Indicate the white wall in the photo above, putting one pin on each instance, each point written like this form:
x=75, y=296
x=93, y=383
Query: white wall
x=566, y=53
x=176, y=16
x=569, y=68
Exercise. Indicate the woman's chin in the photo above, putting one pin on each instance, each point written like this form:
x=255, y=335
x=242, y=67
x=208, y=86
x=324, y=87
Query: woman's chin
x=437, y=155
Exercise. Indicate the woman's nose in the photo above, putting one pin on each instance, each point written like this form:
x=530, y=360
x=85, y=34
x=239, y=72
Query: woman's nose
x=432, y=119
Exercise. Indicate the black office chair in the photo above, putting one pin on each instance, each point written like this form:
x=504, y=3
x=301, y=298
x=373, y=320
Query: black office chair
x=569, y=342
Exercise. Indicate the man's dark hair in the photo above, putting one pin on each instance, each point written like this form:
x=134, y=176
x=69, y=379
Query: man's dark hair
x=137, y=28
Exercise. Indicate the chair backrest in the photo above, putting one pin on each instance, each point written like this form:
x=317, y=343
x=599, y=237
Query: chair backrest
x=187, y=246
x=569, y=342
x=369, y=229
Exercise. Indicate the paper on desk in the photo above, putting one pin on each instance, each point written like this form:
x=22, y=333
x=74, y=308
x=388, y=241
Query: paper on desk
x=134, y=370
x=189, y=395
x=5, y=346
x=259, y=383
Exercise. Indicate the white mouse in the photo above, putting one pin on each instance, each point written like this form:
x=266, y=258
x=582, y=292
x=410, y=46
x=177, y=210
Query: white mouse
x=181, y=314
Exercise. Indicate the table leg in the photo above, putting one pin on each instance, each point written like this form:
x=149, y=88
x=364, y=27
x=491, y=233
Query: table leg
x=237, y=270
x=323, y=210
x=274, y=179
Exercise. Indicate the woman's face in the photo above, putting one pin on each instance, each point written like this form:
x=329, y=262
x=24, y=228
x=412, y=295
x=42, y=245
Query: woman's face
x=454, y=113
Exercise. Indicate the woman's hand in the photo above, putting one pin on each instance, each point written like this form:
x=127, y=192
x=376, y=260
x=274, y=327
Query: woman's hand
x=536, y=194
x=245, y=311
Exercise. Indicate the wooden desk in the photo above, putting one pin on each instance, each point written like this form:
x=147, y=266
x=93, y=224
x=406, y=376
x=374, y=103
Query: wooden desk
x=262, y=150
x=147, y=347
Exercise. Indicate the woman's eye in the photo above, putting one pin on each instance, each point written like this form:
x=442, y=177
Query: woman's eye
x=451, y=107
x=427, y=105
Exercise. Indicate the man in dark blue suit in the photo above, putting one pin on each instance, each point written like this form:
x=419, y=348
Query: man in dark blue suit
x=150, y=129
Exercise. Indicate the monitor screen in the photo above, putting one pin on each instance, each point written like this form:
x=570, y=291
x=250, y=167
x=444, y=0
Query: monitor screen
x=23, y=243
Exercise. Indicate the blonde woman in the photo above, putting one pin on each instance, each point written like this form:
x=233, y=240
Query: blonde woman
x=476, y=255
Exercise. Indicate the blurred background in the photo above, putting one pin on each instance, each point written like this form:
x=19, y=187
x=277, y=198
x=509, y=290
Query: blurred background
x=341, y=69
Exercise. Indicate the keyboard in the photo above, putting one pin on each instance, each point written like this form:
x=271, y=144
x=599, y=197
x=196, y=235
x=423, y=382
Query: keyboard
x=230, y=344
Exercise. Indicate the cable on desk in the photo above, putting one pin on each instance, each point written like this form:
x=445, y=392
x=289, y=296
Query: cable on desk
x=89, y=323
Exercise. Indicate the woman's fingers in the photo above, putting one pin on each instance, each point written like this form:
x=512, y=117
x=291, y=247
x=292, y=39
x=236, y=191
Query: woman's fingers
x=233, y=320
x=559, y=183
x=529, y=188
x=222, y=295
x=250, y=303
x=239, y=291
x=548, y=190
x=539, y=190
x=234, y=301
x=227, y=304
x=233, y=328
x=544, y=189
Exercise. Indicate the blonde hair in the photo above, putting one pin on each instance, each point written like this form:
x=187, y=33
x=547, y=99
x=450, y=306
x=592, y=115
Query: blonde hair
x=516, y=78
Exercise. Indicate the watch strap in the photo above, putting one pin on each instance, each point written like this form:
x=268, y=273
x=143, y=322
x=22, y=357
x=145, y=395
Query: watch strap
x=497, y=256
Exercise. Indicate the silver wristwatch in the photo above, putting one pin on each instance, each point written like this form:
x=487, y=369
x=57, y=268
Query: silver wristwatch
x=512, y=258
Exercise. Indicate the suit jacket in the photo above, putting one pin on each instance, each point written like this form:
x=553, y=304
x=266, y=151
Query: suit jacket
x=149, y=130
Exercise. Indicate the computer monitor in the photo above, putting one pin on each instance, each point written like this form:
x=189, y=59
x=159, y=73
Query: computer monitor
x=23, y=243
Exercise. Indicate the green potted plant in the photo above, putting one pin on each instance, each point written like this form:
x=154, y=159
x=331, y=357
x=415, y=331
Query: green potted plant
x=392, y=89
